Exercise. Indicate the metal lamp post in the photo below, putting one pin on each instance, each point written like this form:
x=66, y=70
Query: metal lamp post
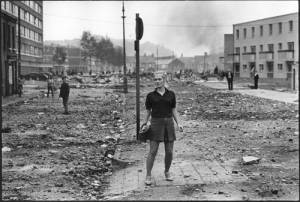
x=124, y=53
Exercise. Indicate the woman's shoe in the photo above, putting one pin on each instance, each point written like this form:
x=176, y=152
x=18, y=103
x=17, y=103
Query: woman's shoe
x=168, y=176
x=148, y=180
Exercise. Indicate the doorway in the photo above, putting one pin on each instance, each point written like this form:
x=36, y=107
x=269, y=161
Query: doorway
x=270, y=70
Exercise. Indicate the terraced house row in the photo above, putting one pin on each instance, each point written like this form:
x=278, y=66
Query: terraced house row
x=22, y=41
x=269, y=46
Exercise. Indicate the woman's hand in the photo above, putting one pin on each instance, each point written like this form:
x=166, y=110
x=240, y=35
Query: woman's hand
x=180, y=128
x=145, y=126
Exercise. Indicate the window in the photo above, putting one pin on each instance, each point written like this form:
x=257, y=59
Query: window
x=39, y=9
x=253, y=49
x=32, y=19
x=279, y=46
x=22, y=31
x=22, y=14
x=35, y=21
x=245, y=49
x=279, y=67
x=253, y=31
x=40, y=37
x=31, y=34
x=271, y=47
x=26, y=16
x=34, y=6
x=31, y=4
x=291, y=25
x=261, y=48
x=3, y=5
x=26, y=32
x=244, y=67
x=237, y=50
x=237, y=34
x=245, y=33
x=261, y=28
x=31, y=50
x=261, y=67
x=290, y=45
x=15, y=10
x=270, y=29
x=40, y=24
x=8, y=6
x=13, y=30
x=280, y=28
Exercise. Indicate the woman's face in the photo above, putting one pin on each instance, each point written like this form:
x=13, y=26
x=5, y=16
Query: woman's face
x=159, y=81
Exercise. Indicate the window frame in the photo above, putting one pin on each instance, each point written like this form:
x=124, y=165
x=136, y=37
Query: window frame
x=261, y=30
x=270, y=29
x=280, y=28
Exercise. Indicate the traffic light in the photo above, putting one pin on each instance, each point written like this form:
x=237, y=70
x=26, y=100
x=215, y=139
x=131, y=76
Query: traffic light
x=139, y=28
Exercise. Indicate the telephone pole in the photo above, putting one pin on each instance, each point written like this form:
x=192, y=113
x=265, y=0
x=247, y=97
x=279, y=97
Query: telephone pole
x=124, y=53
x=156, y=58
x=1, y=64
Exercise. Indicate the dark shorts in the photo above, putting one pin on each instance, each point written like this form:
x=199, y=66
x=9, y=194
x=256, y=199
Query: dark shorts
x=162, y=130
x=65, y=101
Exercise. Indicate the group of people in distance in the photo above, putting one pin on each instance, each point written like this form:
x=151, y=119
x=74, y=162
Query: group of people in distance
x=229, y=77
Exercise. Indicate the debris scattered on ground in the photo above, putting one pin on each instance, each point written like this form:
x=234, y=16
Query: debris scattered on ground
x=248, y=160
x=6, y=149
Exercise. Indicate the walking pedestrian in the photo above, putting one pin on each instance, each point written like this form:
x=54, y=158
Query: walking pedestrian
x=20, y=86
x=256, y=77
x=229, y=77
x=50, y=82
x=64, y=94
x=161, y=106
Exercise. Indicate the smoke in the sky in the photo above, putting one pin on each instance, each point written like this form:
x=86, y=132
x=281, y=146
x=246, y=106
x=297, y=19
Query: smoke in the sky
x=201, y=28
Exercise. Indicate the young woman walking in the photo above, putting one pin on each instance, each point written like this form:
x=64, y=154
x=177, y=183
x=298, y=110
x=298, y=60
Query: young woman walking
x=161, y=106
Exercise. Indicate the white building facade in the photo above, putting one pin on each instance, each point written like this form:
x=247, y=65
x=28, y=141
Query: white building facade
x=269, y=46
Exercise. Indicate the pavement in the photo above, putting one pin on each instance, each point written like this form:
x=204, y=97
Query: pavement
x=28, y=93
x=184, y=172
x=286, y=97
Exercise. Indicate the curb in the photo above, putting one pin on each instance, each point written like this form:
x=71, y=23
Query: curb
x=21, y=100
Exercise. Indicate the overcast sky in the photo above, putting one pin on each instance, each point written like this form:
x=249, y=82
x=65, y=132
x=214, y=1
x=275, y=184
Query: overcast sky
x=188, y=27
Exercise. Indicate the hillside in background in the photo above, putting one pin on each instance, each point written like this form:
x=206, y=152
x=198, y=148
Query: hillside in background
x=145, y=48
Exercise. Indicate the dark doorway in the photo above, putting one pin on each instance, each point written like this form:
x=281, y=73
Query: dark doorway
x=270, y=69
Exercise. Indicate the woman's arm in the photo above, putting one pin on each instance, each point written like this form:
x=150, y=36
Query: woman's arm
x=148, y=113
x=175, y=116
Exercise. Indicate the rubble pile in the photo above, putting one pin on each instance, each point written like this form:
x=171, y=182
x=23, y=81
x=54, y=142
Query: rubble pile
x=218, y=105
x=81, y=146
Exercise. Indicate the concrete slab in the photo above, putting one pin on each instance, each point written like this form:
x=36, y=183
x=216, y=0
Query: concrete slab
x=185, y=172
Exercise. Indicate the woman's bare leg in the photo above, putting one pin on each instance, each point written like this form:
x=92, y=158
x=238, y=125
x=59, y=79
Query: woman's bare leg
x=168, y=155
x=151, y=156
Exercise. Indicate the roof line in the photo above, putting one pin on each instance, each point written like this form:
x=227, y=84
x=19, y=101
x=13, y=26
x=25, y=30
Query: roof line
x=265, y=18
